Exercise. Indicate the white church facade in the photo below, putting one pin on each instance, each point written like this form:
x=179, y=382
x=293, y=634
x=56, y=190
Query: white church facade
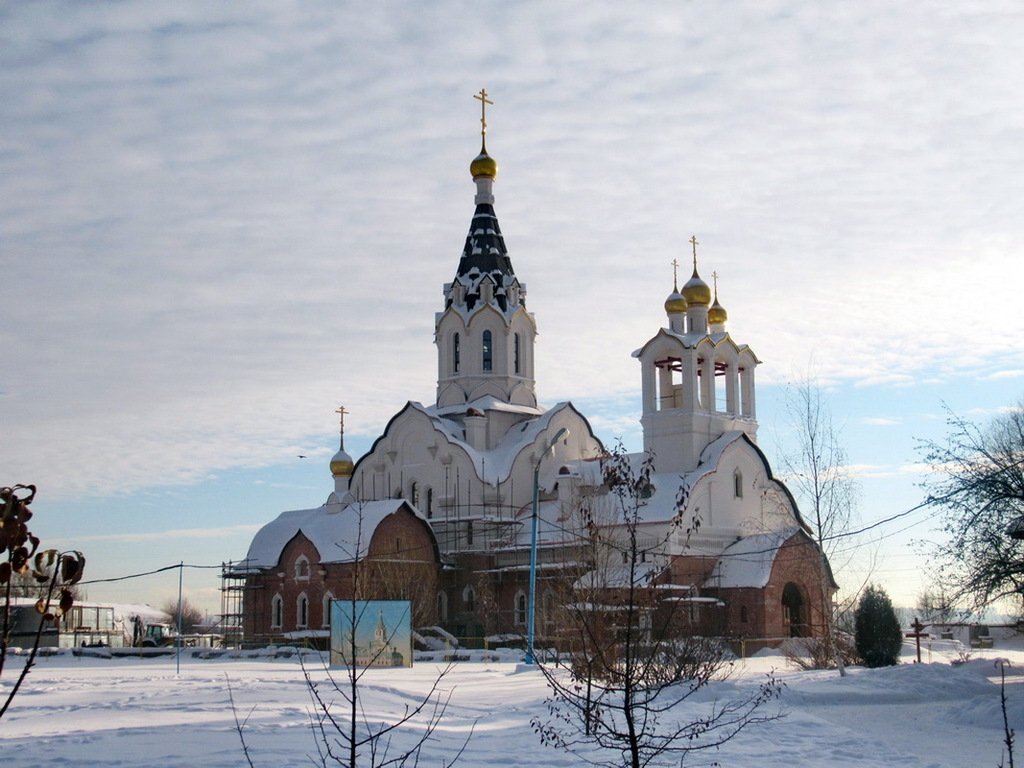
x=439, y=509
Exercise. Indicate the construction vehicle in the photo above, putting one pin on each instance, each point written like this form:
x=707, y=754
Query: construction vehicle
x=154, y=634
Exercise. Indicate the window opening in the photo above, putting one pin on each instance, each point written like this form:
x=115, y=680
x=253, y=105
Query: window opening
x=488, y=359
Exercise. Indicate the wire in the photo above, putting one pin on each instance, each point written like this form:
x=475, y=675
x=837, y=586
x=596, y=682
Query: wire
x=148, y=573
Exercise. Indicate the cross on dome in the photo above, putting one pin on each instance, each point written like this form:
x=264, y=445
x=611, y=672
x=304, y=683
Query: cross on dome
x=484, y=101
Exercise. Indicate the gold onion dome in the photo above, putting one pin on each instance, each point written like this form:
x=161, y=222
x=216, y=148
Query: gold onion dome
x=675, y=302
x=341, y=464
x=717, y=313
x=696, y=291
x=483, y=165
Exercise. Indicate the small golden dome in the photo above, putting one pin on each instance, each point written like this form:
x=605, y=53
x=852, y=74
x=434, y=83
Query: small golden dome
x=483, y=165
x=675, y=303
x=341, y=464
x=717, y=314
x=696, y=291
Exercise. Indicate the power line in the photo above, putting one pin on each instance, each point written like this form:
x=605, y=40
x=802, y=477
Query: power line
x=148, y=573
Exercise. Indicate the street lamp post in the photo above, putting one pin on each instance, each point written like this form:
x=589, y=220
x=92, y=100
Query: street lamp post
x=532, y=608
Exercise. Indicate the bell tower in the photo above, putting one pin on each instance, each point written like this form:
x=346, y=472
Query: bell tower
x=697, y=382
x=484, y=335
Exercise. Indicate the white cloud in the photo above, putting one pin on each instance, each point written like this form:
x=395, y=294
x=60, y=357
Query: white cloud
x=216, y=532
x=222, y=221
x=880, y=421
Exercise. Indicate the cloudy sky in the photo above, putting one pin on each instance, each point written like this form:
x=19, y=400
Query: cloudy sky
x=219, y=221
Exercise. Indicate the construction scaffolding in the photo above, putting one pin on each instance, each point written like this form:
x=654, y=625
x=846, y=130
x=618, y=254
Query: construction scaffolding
x=234, y=583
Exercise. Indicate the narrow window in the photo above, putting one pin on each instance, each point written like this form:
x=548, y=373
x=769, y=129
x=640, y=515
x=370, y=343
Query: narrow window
x=302, y=610
x=455, y=353
x=442, y=607
x=414, y=493
x=487, y=351
x=520, y=608
x=430, y=503
x=737, y=484
x=398, y=546
x=469, y=598
x=276, y=611
x=743, y=614
x=469, y=533
x=517, y=352
x=327, y=609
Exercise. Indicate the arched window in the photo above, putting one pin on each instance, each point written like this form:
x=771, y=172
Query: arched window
x=737, y=484
x=743, y=614
x=517, y=353
x=469, y=598
x=442, y=607
x=302, y=610
x=520, y=608
x=327, y=609
x=414, y=494
x=548, y=604
x=487, y=351
x=276, y=612
x=430, y=503
x=469, y=533
x=455, y=353
x=302, y=568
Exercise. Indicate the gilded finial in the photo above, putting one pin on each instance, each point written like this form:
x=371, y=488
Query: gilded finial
x=483, y=166
x=717, y=314
x=341, y=464
x=696, y=291
x=675, y=275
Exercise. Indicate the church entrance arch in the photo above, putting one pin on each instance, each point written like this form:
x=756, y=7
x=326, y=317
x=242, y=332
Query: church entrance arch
x=794, y=610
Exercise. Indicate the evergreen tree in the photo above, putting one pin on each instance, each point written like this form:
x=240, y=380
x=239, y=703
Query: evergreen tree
x=877, y=632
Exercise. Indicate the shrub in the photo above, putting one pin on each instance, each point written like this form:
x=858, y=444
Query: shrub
x=878, y=635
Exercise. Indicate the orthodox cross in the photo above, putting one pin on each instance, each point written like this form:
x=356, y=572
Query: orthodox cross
x=714, y=277
x=484, y=101
x=675, y=274
x=694, y=242
x=917, y=634
x=341, y=411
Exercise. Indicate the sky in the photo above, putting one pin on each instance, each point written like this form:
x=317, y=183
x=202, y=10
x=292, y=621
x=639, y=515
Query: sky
x=218, y=222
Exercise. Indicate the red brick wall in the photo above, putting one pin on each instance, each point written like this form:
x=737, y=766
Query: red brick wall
x=401, y=563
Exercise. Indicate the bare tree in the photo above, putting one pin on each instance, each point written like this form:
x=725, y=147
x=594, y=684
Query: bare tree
x=191, y=615
x=635, y=663
x=56, y=571
x=345, y=734
x=978, y=485
x=817, y=473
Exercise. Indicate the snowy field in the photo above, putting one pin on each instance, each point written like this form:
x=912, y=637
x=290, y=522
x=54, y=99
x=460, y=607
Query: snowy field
x=138, y=712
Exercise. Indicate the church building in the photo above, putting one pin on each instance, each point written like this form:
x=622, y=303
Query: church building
x=439, y=510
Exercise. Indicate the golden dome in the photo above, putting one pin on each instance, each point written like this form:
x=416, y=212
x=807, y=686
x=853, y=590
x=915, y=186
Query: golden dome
x=696, y=291
x=341, y=464
x=717, y=314
x=483, y=165
x=675, y=303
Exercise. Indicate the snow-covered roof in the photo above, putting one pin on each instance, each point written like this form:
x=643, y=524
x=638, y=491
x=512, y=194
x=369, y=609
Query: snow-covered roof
x=340, y=532
x=665, y=486
x=494, y=465
x=692, y=340
x=748, y=562
x=618, y=576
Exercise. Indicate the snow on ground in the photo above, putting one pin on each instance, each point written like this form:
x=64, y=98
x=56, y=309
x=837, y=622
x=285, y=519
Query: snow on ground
x=139, y=712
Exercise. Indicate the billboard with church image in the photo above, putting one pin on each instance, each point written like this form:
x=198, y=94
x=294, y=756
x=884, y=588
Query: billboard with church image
x=371, y=633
